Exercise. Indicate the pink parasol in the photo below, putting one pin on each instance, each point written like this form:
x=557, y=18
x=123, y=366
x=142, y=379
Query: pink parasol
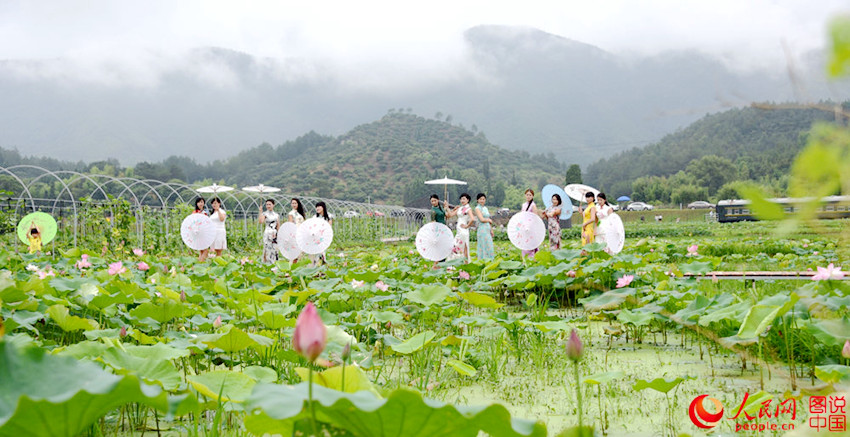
x=314, y=236
x=434, y=241
x=526, y=230
x=287, y=241
x=197, y=231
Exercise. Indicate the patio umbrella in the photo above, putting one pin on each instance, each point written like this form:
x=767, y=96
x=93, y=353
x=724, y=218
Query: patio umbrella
x=197, y=231
x=547, y=193
x=445, y=182
x=215, y=189
x=45, y=223
x=260, y=189
x=314, y=236
x=624, y=199
x=526, y=230
x=577, y=191
x=287, y=241
x=434, y=241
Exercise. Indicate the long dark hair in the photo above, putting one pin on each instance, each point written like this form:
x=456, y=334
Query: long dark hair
x=434, y=196
x=324, y=213
x=528, y=208
x=602, y=196
x=300, y=207
x=198, y=199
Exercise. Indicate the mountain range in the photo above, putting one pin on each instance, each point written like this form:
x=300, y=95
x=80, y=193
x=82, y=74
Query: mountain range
x=525, y=89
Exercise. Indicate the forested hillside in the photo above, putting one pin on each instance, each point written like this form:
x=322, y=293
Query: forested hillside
x=750, y=144
x=385, y=161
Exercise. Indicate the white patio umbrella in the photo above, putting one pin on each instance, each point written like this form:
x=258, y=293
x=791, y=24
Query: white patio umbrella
x=445, y=182
x=260, y=189
x=215, y=189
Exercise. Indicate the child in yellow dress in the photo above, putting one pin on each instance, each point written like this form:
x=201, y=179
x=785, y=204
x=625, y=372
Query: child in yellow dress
x=34, y=238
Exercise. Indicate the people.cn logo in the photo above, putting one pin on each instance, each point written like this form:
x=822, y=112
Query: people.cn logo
x=702, y=418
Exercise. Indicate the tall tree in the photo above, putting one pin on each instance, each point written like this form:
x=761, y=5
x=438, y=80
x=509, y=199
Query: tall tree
x=573, y=175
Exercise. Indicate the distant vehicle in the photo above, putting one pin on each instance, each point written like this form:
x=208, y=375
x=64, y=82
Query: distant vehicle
x=350, y=214
x=831, y=207
x=639, y=206
x=700, y=204
x=374, y=213
x=503, y=212
x=398, y=213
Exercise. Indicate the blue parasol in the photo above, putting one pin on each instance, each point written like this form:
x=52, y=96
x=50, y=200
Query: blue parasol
x=547, y=193
x=623, y=199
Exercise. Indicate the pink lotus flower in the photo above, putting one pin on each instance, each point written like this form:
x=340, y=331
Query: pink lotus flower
x=692, y=250
x=571, y=274
x=217, y=322
x=83, y=263
x=574, y=348
x=381, y=286
x=244, y=260
x=143, y=266
x=805, y=245
x=828, y=272
x=138, y=252
x=625, y=281
x=463, y=274
x=117, y=268
x=123, y=332
x=310, y=334
x=815, y=252
x=357, y=284
x=846, y=351
x=45, y=273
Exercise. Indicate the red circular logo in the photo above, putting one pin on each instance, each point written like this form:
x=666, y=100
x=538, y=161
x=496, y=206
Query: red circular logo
x=702, y=418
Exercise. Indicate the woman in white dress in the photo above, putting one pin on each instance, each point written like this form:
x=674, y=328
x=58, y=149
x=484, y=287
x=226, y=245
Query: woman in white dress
x=529, y=206
x=272, y=222
x=464, y=221
x=322, y=212
x=218, y=216
x=605, y=231
x=200, y=208
x=297, y=215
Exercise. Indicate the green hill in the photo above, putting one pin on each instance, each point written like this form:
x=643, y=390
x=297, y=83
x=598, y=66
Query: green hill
x=741, y=144
x=385, y=161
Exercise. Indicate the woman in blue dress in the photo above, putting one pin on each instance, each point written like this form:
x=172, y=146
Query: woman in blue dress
x=485, y=230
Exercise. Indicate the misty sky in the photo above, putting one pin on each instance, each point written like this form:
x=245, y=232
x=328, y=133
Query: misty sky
x=382, y=43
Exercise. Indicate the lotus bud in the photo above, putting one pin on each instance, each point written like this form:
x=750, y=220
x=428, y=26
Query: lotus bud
x=310, y=335
x=123, y=332
x=574, y=347
x=182, y=296
x=217, y=322
x=846, y=351
x=346, y=353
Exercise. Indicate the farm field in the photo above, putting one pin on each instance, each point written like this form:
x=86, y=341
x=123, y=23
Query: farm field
x=124, y=342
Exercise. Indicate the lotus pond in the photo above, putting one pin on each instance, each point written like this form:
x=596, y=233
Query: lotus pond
x=120, y=343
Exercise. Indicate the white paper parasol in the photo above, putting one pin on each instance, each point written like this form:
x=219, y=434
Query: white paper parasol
x=434, y=241
x=552, y=189
x=215, y=189
x=611, y=231
x=445, y=182
x=197, y=231
x=314, y=236
x=526, y=230
x=260, y=189
x=577, y=191
x=287, y=241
